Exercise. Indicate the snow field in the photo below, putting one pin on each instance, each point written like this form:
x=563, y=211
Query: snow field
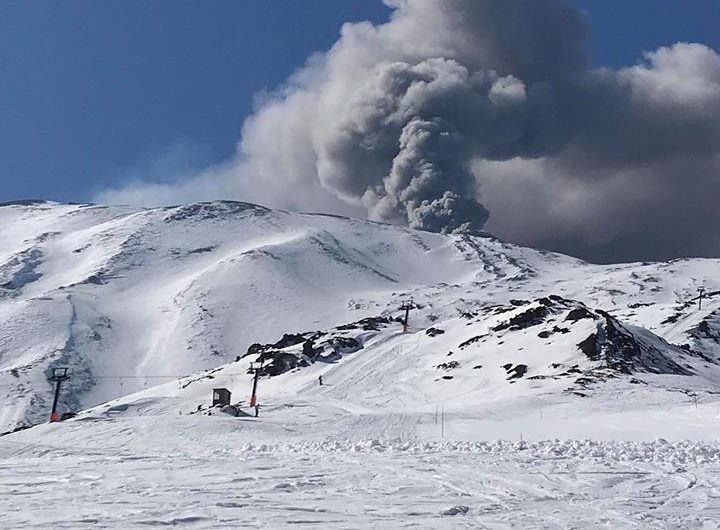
x=213, y=482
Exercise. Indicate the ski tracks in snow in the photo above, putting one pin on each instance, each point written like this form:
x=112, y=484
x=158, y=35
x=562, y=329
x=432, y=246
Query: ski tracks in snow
x=369, y=488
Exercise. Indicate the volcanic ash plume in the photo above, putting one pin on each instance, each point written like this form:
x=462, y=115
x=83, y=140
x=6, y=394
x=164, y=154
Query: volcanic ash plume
x=394, y=115
x=453, y=102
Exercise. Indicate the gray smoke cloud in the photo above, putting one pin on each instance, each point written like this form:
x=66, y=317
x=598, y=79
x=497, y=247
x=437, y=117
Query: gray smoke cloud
x=457, y=108
x=394, y=116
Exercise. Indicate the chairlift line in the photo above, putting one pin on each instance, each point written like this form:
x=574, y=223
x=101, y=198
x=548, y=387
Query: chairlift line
x=161, y=376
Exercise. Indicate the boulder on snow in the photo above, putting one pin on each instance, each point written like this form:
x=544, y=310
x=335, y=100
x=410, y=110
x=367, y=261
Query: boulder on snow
x=458, y=509
x=345, y=344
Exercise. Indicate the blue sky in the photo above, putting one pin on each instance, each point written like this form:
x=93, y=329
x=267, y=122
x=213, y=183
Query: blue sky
x=95, y=93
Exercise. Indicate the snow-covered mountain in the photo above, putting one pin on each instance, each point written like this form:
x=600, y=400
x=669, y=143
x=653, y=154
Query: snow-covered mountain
x=131, y=299
x=530, y=390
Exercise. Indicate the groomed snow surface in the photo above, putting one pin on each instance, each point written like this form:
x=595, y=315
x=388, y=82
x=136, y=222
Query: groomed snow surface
x=532, y=390
x=204, y=472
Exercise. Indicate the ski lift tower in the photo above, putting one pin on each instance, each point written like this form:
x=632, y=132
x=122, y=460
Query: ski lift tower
x=255, y=370
x=58, y=376
x=406, y=306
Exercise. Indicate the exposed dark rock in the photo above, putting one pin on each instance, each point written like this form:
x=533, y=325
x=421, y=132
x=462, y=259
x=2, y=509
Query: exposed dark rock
x=309, y=349
x=672, y=318
x=477, y=366
x=704, y=328
x=434, y=332
x=545, y=302
x=471, y=340
x=289, y=339
x=589, y=347
x=575, y=369
x=256, y=348
x=515, y=372
x=526, y=319
x=95, y=279
x=448, y=366
x=625, y=352
x=499, y=310
x=213, y=210
x=202, y=250
x=277, y=362
x=579, y=313
x=367, y=324
x=639, y=304
x=20, y=427
x=345, y=344
x=547, y=333
x=624, y=349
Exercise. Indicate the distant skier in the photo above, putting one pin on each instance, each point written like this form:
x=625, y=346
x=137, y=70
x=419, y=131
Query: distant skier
x=320, y=380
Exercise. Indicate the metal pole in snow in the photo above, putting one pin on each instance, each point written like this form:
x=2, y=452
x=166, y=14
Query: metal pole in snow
x=53, y=412
x=406, y=306
x=253, y=396
x=59, y=375
x=701, y=290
